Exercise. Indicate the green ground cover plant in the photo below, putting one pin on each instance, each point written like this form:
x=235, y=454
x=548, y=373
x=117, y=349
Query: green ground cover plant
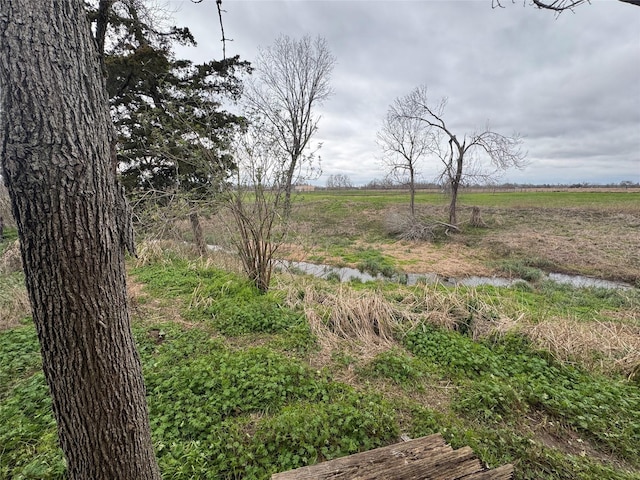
x=507, y=376
x=370, y=261
x=227, y=301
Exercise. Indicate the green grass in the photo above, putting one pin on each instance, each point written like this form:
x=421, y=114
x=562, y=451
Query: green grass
x=367, y=260
x=10, y=234
x=228, y=302
x=553, y=300
x=546, y=199
x=340, y=200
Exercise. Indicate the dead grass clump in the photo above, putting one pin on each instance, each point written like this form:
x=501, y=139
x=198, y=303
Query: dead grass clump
x=349, y=314
x=162, y=251
x=224, y=260
x=462, y=310
x=152, y=251
x=607, y=347
x=5, y=204
x=363, y=318
x=167, y=251
x=11, y=259
x=14, y=301
x=371, y=319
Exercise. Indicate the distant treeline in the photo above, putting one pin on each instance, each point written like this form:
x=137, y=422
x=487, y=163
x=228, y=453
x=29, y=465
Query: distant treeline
x=387, y=185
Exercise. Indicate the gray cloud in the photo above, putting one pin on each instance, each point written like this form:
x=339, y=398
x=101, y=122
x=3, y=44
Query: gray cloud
x=570, y=85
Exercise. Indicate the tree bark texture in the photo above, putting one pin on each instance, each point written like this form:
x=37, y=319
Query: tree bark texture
x=56, y=148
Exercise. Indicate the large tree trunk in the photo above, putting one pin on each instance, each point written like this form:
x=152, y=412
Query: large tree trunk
x=56, y=148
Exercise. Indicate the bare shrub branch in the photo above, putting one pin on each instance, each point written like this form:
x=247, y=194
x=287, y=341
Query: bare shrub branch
x=256, y=203
x=409, y=227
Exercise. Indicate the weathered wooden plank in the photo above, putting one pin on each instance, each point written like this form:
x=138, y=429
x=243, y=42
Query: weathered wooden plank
x=341, y=468
x=505, y=472
x=419, y=459
x=442, y=466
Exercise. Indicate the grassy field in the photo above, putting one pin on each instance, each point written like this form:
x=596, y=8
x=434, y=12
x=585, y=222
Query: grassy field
x=242, y=385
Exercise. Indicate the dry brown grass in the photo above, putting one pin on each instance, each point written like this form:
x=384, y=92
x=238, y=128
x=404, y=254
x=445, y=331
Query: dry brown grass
x=602, y=244
x=459, y=308
x=10, y=259
x=14, y=301
x=155, y=251
x=14, y=306
x=363, y=320
x=366, y=323
x=607, y=347
x=5, y=206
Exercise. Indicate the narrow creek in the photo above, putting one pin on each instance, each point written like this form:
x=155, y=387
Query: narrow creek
x=346, y=274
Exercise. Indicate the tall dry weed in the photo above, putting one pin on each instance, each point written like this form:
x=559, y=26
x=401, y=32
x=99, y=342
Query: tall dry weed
x=364, y=320
x=14, y=300
x=460, y=309
x=607, y=347
x=372, y=319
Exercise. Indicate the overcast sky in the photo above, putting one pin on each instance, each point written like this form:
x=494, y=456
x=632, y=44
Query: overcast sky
x=569, y=84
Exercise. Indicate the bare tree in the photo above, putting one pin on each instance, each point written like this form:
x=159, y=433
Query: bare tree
x=291, y=79
x=58, y=162
x=257, y=202
x=558, y=6
x=460, y=157
x=339, y=180
x=404, y=142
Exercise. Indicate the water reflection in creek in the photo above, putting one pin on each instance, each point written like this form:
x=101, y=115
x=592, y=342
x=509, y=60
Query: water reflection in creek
x=346, y=274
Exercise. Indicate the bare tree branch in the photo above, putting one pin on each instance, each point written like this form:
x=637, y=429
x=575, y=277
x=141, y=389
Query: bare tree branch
x=557, y=6
x=255, y=203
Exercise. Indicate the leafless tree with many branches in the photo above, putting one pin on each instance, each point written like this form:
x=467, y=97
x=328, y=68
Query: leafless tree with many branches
x=458, y=155
x=404, y=142
x=291, y=78
x=256, y=203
